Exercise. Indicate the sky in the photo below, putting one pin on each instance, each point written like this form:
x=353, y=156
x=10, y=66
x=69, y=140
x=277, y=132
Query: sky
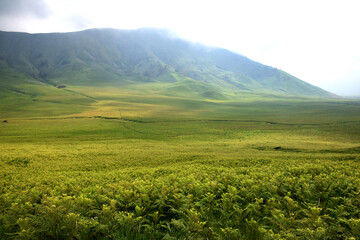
x=315, y=40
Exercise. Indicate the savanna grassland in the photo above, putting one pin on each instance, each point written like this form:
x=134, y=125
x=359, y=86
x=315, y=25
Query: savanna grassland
x=114, y=164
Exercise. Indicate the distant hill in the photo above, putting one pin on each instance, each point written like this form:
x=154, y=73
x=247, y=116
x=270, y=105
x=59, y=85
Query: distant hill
x=146, y=57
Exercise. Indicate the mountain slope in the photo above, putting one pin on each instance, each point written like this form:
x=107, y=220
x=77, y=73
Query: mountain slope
x=131, y=58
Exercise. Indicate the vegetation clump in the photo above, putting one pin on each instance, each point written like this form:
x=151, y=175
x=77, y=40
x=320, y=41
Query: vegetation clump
x=61, y=86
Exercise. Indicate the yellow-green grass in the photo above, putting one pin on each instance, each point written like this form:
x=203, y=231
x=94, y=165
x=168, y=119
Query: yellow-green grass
x=129, y=164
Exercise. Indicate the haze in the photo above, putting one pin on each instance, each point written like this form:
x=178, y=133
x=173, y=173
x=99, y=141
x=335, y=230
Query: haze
x=316, y=41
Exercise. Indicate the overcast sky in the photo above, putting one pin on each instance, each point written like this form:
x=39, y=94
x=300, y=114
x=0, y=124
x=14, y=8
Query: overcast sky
x=317, y=41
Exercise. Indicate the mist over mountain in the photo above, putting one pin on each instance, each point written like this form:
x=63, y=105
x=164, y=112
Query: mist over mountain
x=125, y=58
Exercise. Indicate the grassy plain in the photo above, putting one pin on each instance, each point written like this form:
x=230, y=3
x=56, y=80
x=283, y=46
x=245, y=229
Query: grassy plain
x=126, y=164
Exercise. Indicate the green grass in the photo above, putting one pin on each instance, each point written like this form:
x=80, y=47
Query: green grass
x=113, y=163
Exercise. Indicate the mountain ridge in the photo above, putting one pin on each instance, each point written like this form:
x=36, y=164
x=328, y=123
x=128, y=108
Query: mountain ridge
x=128, y=57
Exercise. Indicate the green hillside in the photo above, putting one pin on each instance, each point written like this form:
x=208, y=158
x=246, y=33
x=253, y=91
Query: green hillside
x=146, y=57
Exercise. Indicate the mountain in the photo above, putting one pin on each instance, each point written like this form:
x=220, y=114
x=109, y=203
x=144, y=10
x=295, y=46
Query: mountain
x=147, y=59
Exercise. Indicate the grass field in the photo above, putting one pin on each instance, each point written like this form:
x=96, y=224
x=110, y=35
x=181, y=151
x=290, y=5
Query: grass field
x=116, y=164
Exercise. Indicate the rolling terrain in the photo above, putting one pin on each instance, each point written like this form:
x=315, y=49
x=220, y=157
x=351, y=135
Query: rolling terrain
x=144, y=60
x=138, y=135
